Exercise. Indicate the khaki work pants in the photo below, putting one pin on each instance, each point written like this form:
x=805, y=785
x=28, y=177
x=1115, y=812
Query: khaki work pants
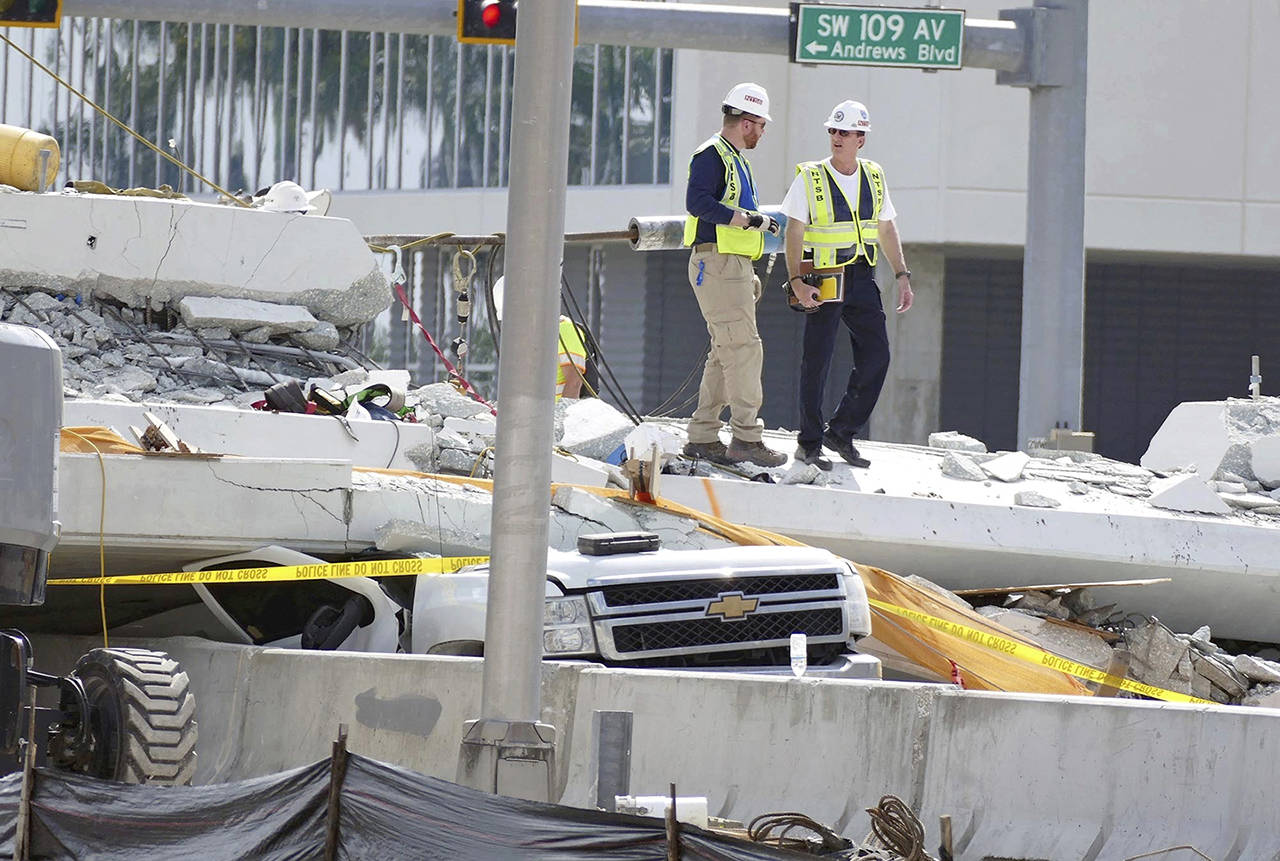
x=727, y=296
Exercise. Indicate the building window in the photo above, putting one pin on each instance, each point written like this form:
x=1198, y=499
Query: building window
x=246, y=106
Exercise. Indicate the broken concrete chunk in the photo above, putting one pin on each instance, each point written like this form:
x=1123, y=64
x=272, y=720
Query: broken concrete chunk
x=1040, y=603
x=1230, y=680
x=1264, y=458
x=802, y=473
x=442, y=399
x=243, y=315
x=1228, y=486
x=1248, y=500
x=1186, y=492
x=1194, y=435
x=956, y=441
x=1263, y=696
x=595, y=509
x=323, y=337
x=961, y=467
x=1007, y=467
x=1078, y=487
x=217, y=333
x=594, y=428
x=129, y=379
x=1157, y=654
x=260, y=335
x=1081, y=646
x=1032, y=499
x=1257, y=669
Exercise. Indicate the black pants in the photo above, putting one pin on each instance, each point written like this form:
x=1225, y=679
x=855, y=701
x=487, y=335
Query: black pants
x=862, y=313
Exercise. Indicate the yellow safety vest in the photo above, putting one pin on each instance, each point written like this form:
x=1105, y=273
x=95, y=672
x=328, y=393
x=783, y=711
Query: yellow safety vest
x=573, y=351
x=827, y=237
x=729, y=239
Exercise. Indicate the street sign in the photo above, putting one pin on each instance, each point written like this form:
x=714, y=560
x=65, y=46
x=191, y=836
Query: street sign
x=925, y=38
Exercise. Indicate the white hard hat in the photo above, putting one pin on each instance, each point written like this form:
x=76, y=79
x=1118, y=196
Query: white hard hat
x=496, y=291
x=850, y=116
x=750, y=99
x=286, y=196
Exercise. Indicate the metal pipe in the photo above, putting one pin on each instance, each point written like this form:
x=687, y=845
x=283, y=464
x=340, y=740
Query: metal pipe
x=522, y=468
x=385, y=240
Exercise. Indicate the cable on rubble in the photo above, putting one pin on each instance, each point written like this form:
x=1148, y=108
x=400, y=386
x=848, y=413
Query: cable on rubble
x=896, y=826
x=762, y=828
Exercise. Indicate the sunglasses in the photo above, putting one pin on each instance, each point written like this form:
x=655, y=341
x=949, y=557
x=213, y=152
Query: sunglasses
x=844, y=133
x=760, y=123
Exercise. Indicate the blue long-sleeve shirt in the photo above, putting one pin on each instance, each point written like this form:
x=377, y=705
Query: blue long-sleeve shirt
x=706, y=187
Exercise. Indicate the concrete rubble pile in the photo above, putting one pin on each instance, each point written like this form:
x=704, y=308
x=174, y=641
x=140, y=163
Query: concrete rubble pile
x=1068, y=623
x=194, y=350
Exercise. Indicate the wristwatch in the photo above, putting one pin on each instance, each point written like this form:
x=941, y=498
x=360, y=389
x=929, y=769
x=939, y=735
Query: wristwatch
x=906, y=272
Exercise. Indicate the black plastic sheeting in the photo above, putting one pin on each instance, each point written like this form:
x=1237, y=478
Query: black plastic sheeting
x=386, y=812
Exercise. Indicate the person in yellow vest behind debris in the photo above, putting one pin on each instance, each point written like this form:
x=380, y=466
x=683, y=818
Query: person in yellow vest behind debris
x=838, y=215
x=727, y=234
x=571, y=363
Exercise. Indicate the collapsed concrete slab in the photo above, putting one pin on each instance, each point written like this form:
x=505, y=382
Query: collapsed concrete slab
x=150, y=251
x=1215, y=438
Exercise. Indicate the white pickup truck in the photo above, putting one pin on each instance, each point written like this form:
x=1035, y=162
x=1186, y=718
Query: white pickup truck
x=618, y=600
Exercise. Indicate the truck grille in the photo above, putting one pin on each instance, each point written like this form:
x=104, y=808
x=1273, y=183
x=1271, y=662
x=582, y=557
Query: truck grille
x=658, y=636
x=670, y=592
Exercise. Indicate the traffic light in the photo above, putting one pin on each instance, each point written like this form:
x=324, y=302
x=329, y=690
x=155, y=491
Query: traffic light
x=489, y=22
x=30, y=13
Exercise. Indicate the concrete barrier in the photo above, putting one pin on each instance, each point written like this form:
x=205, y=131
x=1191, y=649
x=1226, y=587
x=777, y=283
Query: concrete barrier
x=1022, y=776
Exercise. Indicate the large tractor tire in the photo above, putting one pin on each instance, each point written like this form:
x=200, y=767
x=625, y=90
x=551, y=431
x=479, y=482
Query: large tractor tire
x=141, y=717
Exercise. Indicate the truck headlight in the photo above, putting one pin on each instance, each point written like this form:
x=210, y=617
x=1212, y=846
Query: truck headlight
x=566, y=627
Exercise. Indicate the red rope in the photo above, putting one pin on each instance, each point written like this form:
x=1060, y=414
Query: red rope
x=453, y=372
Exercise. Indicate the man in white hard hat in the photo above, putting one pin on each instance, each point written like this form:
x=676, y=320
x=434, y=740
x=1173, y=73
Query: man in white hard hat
x=839, y=215
x=727, y=234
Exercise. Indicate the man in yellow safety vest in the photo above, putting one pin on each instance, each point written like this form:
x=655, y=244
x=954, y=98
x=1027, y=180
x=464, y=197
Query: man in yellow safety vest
x=838, y=216
x=727, y=234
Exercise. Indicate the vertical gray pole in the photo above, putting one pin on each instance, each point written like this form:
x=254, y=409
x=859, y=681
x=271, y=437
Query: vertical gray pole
x=1051, y=378
x=508, y=751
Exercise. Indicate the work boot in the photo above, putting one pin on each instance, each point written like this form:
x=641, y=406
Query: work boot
x=813, y=456
x=754, y=452
x=844, y=448
x=713, y=451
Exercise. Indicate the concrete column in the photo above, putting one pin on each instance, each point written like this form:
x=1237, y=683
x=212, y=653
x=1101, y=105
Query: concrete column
x=910, y=403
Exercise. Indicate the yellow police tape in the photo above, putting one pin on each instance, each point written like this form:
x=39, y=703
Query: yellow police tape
x=413, y=566
x=1037, y=656
x=274, y=574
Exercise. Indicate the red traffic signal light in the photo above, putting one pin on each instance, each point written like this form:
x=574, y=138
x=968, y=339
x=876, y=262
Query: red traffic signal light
x=487, y=21
x=491, y=13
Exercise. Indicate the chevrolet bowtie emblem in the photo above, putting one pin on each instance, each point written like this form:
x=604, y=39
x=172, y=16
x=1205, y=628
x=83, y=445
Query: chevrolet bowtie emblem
x=732, y=605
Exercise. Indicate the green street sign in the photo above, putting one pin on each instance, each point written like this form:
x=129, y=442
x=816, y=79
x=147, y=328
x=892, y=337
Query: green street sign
x=924, y=38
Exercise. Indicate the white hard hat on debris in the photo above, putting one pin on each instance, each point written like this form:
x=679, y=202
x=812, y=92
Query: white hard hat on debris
x=749, y=98
x=850, y=116
x=496, y=290
x=287, y=196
